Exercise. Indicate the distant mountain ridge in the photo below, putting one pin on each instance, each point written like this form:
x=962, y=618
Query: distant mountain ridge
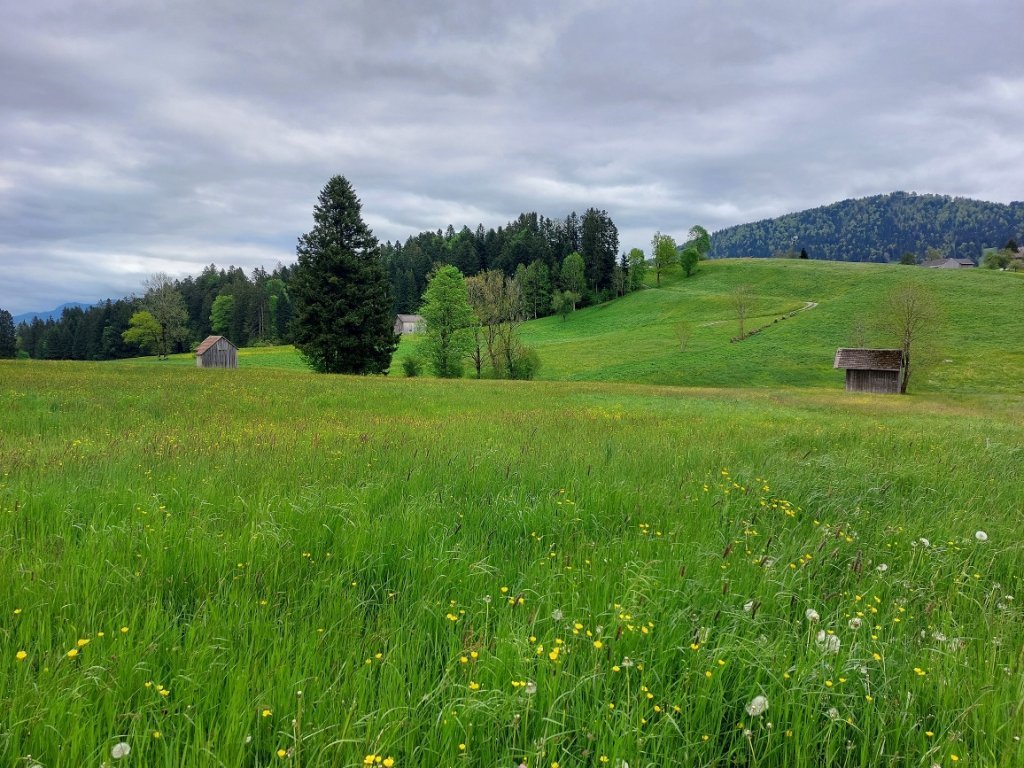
x=880, y=228
x=52, y=314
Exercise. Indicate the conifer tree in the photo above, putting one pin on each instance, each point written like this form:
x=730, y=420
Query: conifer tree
x=8, y=345
x=343, y=310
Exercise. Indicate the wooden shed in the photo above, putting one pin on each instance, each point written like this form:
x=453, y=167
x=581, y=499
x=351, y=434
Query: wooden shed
x=408, y=323
x=216, y=352
x=871, y=370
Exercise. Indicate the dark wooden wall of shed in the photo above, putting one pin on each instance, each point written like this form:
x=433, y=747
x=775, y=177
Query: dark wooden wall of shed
x=220, y=355
x=878, y=382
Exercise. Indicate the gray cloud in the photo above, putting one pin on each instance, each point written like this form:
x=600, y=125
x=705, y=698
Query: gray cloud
x=166, y=136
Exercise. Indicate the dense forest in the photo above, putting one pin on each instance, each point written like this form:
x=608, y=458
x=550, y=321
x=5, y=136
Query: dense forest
x=251, y=309
x=883, y=228
x=531, y=244
x=257, y=309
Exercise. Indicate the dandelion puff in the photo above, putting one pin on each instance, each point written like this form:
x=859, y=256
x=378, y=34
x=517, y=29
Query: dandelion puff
x=924, y=542
x=748, y=606
x=531, y=687
x=855, y=622
x=828, y=643
x=882, y=567
x=121, y=749
x=557, y=614
x=833, y=713
x=981, y=536
x=757, y=706
x=812, y=615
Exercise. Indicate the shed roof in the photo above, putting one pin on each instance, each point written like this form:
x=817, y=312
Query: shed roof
x=869, y=359
x=209, y=341
x=410, y=318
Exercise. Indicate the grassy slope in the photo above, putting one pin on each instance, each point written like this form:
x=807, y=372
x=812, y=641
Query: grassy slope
x=261, y=532
x=634, y=339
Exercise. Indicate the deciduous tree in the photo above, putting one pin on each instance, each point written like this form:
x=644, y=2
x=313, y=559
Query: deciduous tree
x=164, y=302
x=221, y=313
x=688, y=259
x=908, y=312
x=574, y=278
x=448, y=316
x=699, y=239
x=343, y=320
x=664, y=249
x=742, y=296
x=637, y=268
x=143, y=332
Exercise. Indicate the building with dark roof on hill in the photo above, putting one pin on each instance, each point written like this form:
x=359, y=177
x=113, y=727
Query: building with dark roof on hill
x=948, y=264
x=216, y=352
x=871, y=370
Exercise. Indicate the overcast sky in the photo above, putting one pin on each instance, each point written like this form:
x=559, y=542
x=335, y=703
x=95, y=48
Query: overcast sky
x=138, y=137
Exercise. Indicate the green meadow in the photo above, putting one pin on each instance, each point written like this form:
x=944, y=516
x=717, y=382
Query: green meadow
x=265, y=567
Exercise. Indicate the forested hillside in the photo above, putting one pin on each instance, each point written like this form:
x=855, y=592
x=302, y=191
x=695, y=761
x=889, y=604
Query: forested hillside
x=883, y=228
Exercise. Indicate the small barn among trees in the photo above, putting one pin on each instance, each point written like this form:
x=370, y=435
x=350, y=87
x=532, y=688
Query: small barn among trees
x=216, y=352
x=871, y=370
x=408, y=324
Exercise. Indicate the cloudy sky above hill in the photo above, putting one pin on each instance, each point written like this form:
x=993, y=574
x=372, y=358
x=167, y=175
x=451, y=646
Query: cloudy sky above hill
x=144, y=137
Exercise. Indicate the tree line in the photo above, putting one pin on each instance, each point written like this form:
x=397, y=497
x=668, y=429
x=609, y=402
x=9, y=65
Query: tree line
x=533, y=248
x=337, y=303
x=249, y=309
x=895, y=227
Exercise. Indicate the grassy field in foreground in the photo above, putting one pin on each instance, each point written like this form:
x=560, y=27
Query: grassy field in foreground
x=260, y=567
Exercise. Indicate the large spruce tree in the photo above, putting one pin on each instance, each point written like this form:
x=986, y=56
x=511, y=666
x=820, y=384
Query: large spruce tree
x=343, y=311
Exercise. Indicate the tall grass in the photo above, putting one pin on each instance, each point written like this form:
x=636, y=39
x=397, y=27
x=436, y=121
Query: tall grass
x=262, y=568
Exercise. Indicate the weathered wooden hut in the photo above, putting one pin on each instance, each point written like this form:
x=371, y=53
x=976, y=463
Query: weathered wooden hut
x=216, y=352
x=408, y=323
x=871, y=370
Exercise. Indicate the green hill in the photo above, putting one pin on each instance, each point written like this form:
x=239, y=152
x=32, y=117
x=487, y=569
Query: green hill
x=975, y=348
x=880, y=229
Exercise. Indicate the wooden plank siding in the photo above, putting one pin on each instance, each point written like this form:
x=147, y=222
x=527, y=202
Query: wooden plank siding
x=877, y=382
x=217, y=352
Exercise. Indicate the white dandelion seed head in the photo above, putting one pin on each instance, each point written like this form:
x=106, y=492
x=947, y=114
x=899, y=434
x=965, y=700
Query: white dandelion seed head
x=531, y=688
x=856, y=622
x=557, y=614
x=757, y=706
x=938, y=637
x=812, y=615
x=748, y=606
x=248, y=739
x=486, y=599
x=882, y=567
x=626, y=662
x=747, y=733
x=981, y=536
x=828, y=643
x=833, y=713
x=121, y=749
x=924, y=542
